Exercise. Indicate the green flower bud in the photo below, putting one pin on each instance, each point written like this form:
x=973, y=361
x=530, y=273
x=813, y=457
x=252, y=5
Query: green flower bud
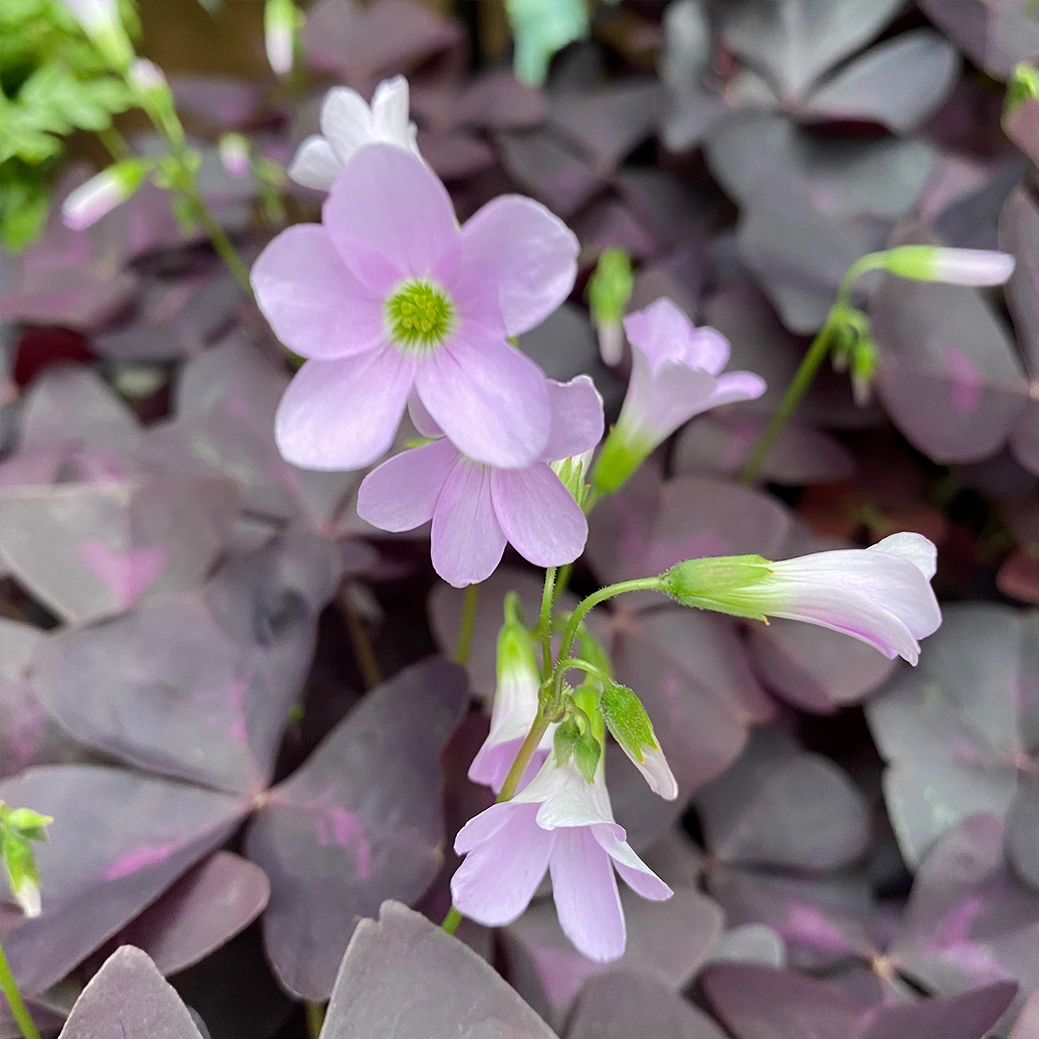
x=630, y=726
x=727, y=584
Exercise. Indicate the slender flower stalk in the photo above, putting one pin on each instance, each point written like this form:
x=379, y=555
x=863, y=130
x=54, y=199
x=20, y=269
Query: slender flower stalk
x=19, y=1011
x=470, y=601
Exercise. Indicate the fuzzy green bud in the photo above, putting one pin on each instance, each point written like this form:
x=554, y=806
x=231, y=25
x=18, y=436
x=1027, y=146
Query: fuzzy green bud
x=609, y=290
x=726, y=584
x=975, y=267
x=630, y=726
x=19, y=827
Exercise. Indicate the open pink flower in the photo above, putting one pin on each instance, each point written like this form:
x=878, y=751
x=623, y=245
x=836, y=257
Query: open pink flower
x=561, y=823
x=387, y=294
x=476, y=508
x=676, y=374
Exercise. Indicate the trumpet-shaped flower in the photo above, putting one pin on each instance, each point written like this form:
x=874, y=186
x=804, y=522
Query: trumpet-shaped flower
x=879, y=595
x=564, y=824
x=348, y=124
x=676, y=374
x=476, y=508
x=388, y=295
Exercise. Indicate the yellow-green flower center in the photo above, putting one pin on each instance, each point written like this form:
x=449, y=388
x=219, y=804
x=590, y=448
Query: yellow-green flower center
x=419, y=315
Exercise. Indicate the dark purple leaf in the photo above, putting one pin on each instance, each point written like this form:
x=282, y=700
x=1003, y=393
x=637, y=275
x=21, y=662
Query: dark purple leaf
x=607, y=222
x=794, y=42
x=207, y=907
x=898, y=83
x=778, y=806
x=667, y=941
x=362, y=44
x=91, y=551
x=967, y=1016
x=949, y=375
x=607, y=124
x=129, y=999
x=455, y=155
x=969, y=920
x=226, y=102
x=1019, y=235
x=360, y=822
x=118, y=840
x=548, y=170
x=403, y=977
x=496, y=100
x=619, y=1005
x=198, y=686
x=750, y=943
x=994, y=34
x=757, y=1002
x=950, y=729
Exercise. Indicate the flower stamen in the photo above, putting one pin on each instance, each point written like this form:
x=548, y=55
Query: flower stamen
x=420, y=316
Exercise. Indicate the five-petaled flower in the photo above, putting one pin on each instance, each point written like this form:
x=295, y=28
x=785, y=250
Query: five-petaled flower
x=388, y=295
x=477, y=508
x=676, y=374
x=561, y=823
x=347, y=125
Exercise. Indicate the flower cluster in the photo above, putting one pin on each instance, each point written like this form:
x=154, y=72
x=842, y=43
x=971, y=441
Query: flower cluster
x=395, y=307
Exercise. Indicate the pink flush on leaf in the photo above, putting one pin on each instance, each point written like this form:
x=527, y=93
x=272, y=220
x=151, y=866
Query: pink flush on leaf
x=476, y=508
x=127, y=574
x=387, y=295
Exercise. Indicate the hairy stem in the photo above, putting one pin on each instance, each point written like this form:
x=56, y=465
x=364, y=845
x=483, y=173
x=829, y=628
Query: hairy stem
x=544, y=632
x=525, y=755
x=468, y=624
x=19, y=1011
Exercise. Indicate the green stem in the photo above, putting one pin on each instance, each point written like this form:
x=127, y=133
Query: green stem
x=586, y=605
x=452, y=920
x=548, y=596
x=115, y=144
x=315, y=1013
x=220, y=240
x=582, y=665
x=526, y=753
x=468, y=624
x=367, y=663
x=19, y=1011
x=808, y=369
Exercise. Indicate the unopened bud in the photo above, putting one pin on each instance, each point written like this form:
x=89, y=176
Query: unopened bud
x=864, y=364
x=722, y=583
x=279, y=22
x=629, y=723
x=976, y=267
x=100, y=21
x=609, y=290
x=1022, y=86
x=233, y=149
x=102, y=193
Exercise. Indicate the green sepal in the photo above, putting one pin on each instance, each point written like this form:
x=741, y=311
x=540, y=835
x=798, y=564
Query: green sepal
x=726, y=584
x=628, y=721
x=618, y=460
x=566, y=739
x=587, y=752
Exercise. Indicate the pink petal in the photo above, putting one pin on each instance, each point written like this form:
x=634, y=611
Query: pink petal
x=585, y=892
x=499, y=876
x=402, y=493
x=635, y=873
x=660, y=401
x=467, y=542
x=518, y=251
x=388, y=202
x=539, y=515
x=489, y=399
x=312, y=301
x=421, y=419
x=735, y=386
x=577, y=418
x=567, y=799
x=663, y=331
x=343, y=414
x=484, y=826
x=706, y=348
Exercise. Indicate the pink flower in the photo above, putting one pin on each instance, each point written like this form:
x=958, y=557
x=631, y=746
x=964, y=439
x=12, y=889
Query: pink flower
x=347, y=125
x=387, y=295
x=675, y=375
x=879, y=595
x=563, y=824
x=477, y=508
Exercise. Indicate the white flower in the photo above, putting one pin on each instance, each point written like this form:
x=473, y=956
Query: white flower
x=347, y=125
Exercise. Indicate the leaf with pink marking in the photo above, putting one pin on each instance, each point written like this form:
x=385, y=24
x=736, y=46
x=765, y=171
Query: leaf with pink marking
x=450, y=993
x=118, y=840
x=202, y=911
x=360, y=822
x=129, y=999
x=199, y=686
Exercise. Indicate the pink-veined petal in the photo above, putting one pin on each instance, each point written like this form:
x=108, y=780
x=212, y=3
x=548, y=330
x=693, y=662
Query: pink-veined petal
x=315, y=165
x=499, y=876
x=467, y=541
x=539, y=515
x=489, y=399
x=313, y=302
x=387, y=201
x=401, y=494
x=517, y=251
x=585, y=892
x=577, y=418
x=346, y=122
x=343, y=414
x=635, y=873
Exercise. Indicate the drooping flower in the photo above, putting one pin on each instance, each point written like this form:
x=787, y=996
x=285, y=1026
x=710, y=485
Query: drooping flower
x=348, y=124
x=387, y=294
x=476, y=508
x=515, y=702
x=629, y=723
x=880, y=595
x=676, y=374
x=562, y=823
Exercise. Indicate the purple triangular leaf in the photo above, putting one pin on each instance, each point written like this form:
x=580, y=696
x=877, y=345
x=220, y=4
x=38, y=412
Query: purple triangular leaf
x=967, y=1016
x=995, y=36
x=360, y=822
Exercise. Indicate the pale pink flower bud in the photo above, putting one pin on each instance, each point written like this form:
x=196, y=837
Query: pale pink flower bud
x=146, y=76
x=234, y=155
x=279, y=22
x=976, y=267
x=102, y=193
x=27, y=895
